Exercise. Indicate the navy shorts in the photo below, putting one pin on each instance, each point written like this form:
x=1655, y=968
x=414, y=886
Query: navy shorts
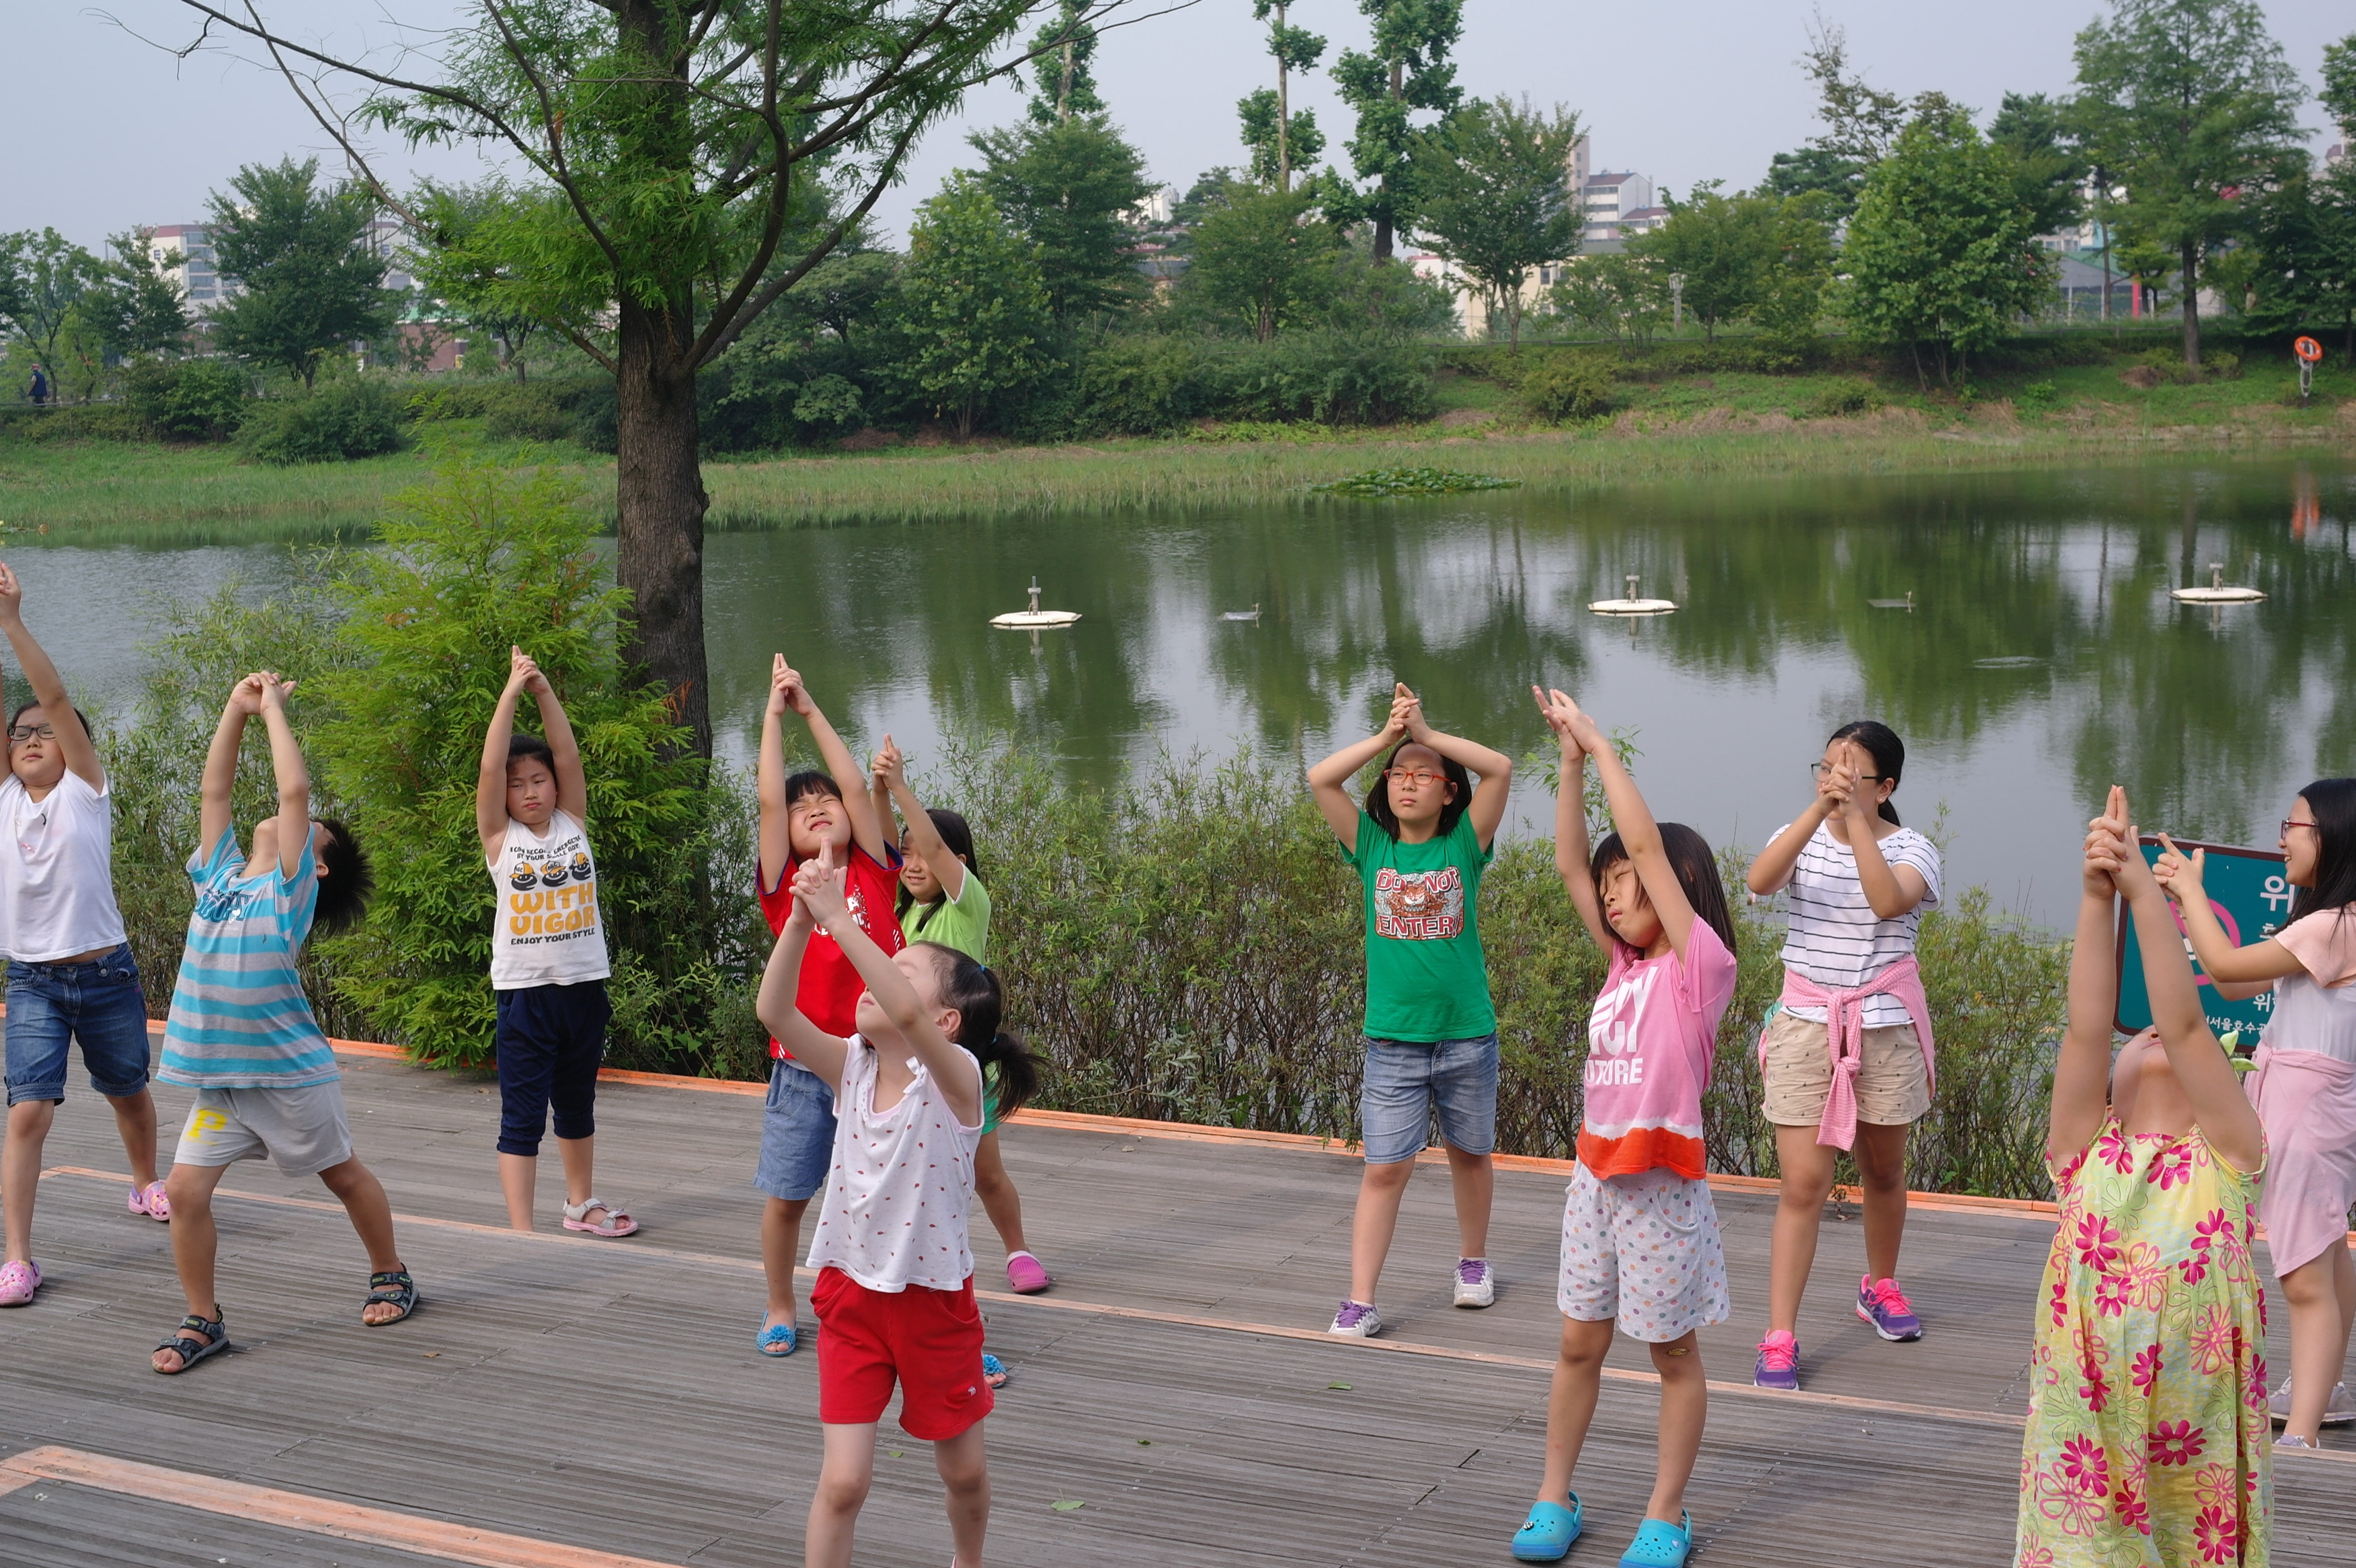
x=797, y=1133
x=550, y=1041
x=97, y=1003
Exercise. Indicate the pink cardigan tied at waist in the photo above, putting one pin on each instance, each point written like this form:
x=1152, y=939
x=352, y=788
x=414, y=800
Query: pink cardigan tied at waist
x=1845, y=1035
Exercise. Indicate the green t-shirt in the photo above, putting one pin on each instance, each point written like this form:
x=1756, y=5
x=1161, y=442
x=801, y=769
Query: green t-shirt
x=962, y=923
x=1426, y=979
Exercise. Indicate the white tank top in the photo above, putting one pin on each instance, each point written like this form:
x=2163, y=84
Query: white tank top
x=548, y=931
x=2312, y=1017
x=894, y=1214
x=56, y=871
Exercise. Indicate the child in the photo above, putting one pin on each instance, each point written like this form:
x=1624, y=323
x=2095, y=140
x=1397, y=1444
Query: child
x=2305, y=1087
x=1420, y=847
x=942, y=900
x=2146, y=1438
x=548, y=953
x=803, y=814
x=894, y=1290
x=240, y=1033
x=70, y=976
x=1640, y=1239
x=1846, y=1054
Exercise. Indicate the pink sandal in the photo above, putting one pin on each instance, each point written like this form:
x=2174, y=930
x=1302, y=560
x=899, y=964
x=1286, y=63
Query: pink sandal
x=617, y=1222
x=151, y=1201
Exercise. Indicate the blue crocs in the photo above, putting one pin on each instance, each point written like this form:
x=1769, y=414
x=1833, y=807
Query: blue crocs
x=777, y=1340
x=1660, y=1545
x=1546, y=1535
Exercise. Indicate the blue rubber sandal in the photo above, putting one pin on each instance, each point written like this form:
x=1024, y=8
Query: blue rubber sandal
x=778, y=1340
x=1660, y=1545
x=1546, y=1535
x=993, y=1371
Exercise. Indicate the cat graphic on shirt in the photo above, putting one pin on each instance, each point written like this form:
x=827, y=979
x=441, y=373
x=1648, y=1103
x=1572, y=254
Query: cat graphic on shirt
x=1419, y=906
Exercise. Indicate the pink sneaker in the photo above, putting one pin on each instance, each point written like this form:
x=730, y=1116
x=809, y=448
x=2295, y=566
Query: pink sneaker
x=151, y=1201
x=1026, y=1275
x=19, y=1281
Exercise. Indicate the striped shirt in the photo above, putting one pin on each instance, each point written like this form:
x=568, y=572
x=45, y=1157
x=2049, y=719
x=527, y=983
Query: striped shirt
x=1835, y=937
x=238, y=1017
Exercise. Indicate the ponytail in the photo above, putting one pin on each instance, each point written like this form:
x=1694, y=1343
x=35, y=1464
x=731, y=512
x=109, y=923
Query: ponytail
x=973, y=990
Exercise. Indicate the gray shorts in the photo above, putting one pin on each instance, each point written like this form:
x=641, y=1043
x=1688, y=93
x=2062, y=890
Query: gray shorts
x=302, y=1130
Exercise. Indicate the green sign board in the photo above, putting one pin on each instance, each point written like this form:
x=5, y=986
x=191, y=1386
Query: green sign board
x=2251, y=898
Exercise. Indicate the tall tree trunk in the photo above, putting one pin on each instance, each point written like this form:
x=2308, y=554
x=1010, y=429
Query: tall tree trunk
x=1283, y=115
x=1383, y=226
x=2190, y=256
x=659, y=502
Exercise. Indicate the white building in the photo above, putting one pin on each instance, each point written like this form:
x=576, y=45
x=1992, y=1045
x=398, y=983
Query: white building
x=184, y=254
x=1612, y=206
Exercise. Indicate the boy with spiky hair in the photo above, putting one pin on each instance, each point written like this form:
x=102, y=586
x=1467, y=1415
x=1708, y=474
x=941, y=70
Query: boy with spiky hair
x=240, y=1031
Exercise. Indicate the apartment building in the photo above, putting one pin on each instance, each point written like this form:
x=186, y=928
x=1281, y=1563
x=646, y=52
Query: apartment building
x=184, y=254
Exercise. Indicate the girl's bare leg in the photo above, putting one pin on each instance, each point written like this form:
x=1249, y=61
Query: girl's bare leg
x=1685, y=1405
x=1799, y=1212
x=1570, y=1403
x=844, y=1475
x=967, y=1475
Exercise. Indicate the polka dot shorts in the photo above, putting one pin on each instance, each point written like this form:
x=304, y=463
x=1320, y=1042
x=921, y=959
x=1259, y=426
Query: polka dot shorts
x=1642, y=1249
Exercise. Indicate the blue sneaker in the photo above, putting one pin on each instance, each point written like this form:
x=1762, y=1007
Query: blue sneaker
x=1884, y=1305
x=1660, y=1545
x=1546, y=1536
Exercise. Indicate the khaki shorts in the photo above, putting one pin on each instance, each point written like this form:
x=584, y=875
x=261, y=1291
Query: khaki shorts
x=1893, y=1087
x=302, y=1130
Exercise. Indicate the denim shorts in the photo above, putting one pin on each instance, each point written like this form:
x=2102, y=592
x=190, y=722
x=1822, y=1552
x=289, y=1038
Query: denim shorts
x=97, y=1003
x=797, y=1133
x=1409, y=1083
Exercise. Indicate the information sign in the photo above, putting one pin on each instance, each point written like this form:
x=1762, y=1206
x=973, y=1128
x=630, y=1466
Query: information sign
x=2251, y=898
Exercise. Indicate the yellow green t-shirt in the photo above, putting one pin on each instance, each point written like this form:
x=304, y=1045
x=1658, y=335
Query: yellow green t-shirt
x=962, y=922
x=1426, y=977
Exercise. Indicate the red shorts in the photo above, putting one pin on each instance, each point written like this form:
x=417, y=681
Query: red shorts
x=929, y=1341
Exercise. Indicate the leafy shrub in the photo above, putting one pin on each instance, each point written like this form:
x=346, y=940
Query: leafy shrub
x=186, y=400
x=2037, y=395
x=82, y=422
x=1843, y=398
x=1566, y=386
x=359, y=417
x=528, y=413
x=1141, y=385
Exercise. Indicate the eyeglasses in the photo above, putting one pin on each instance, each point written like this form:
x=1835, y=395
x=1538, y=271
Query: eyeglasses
x=27, y=732
x=1820, y=768
x=2290, y=822
x=1417, y=778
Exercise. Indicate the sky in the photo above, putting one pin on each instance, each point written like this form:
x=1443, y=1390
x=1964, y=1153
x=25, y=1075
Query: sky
x=1679, y=90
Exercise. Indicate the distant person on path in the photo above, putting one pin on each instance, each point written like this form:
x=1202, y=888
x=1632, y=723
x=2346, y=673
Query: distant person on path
x=803, y=814
x=941, y=899
x=71, y=974
x=894, y=1292
x=1640, y=1239
x=1846, y=1055
x=549, y=963
x=41, y=388
x=2146, y=1439
x=240, y=1033
x=1421, y=845
x=2305, y=1087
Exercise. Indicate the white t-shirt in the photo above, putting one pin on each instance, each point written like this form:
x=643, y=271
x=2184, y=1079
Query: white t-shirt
x=1835, y=937
x=894, y=1210
x=2315, y=1010
x=56, y=873
x=548, y=931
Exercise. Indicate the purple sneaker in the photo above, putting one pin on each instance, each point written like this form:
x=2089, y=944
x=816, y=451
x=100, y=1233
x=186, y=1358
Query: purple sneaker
x=1477, y=1282
x=1884, y=1305
x=1779, y=1362
x=1357, y=1320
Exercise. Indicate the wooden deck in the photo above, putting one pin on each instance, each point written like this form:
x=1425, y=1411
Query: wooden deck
x=559, y=1399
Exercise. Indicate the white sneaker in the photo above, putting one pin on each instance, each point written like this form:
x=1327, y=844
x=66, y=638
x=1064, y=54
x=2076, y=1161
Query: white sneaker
x=1357, y=1320
x=2338, y=1411
x=1477, y=1282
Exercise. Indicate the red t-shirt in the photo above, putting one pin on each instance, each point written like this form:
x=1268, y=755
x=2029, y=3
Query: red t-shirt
x=830, y=987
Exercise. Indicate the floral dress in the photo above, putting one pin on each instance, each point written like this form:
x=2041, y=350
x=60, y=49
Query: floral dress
x=2148, y=1439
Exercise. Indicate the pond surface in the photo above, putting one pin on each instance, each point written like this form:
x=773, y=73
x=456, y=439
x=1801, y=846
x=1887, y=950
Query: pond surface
x=2042, y=659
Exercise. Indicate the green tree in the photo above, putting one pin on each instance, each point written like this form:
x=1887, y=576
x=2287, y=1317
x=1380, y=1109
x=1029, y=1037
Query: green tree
x=1941, y=253
x=1063, y=57
x=1068, y=186
x=136, y=309
x=1812, y=171
x=45, y=279
x=1862, y=123
x=1723, y=247
x=2306, y=232
x=2190, y=104
x=2041, y=135
x=308, y=289
x=1260, y=258
x=1492, y=195
x=1791, y=294
x=1280, y=138
x=463, y=259
x=686, y=141
x=972, y=310
x=1624, y=296
x=1406, y=70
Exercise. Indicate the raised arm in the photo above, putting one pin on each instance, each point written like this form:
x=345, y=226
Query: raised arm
x=1495, y=769
x=777, y=1008
x=564, y=751
x=294, y=777
x=879, y=794
x=2081, y=1073
x=2223, y=1110
x=924, y=840
x=849, y=779
x=1891, y=890
x=1329, y=782
x=1771, y=872
x=218, y=788
x=819, y=887
x=769, y=778
x=2238, y=971
x=491, y=778
x=48, y=690
x=1640, y=835
x=1572, y=849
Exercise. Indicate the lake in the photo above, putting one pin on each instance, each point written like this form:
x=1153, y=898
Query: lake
x=2042, y=659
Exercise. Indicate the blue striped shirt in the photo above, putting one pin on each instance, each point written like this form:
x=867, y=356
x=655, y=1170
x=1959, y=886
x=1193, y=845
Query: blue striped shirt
x=238, y=1017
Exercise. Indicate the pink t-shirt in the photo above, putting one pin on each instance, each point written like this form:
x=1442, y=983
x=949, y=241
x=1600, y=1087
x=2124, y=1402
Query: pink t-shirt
x=2325, y=945
x=1650, y=1042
